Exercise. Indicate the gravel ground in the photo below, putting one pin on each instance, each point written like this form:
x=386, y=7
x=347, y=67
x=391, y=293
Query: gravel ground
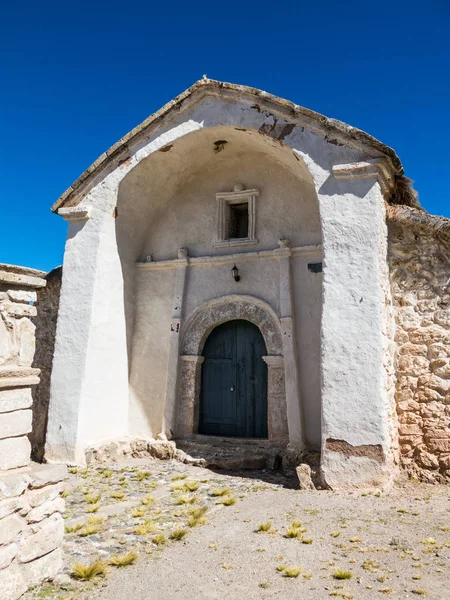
x=395, y=544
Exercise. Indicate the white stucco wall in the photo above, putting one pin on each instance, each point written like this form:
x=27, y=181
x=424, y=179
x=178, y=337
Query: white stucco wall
x=163, y=200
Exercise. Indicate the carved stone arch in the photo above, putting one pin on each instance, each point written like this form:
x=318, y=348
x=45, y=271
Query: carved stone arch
x=227, y=308
x=194, y=335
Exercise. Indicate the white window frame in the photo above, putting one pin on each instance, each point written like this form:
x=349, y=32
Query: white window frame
x=224, y=201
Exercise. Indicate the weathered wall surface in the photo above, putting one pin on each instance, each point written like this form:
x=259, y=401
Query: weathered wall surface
x=45, y=322
x=420, y=280
x=31, y=525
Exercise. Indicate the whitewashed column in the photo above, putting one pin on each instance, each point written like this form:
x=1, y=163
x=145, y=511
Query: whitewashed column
x=89, y=384
x=356, y=402
x=287, y=311
x=169, y=423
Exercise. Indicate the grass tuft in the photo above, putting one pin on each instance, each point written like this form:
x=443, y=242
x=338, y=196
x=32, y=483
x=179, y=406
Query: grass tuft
x=293, y=532
x=292, y=571
x=117, y=495
x=145, y=528
x=93, y=508
x=73, y=528
x=264, y=527
x=141, y=475
x=339, y=574
x=186, y=500
x=179, y=476
x=419, y=592
x=92, y=499
x=138, y=512
x=191, y=486
x=220, y=492
x=159, y=539
x=123, y=560
x=178, y=534
x=228, y=501
x=147, y=500
x=84, y=572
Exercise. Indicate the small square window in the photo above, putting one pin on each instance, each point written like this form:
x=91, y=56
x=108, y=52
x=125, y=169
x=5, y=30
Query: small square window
x=238, y=221
x=236, y=217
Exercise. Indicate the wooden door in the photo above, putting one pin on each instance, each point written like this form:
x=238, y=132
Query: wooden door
x=233, y=398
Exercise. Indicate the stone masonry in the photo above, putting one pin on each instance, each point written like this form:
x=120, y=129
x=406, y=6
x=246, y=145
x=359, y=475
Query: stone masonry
x=31, y=525
x=420, y=278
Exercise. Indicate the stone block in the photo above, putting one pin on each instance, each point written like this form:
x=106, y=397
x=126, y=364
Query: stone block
x=10, y=527
x=429, y=335
x=15, y=423
x=14, y=452
x=414, y=349
x=13, y=483
x=441, y=368
x=413, y=365
x=442, y=317
x=40, y=495
x=304, y=477
x=439, y=445
x=42, y=538
x=42, y=475
x=7, y=554
x=45, y=510
x=11, y=505
x=24, y=296
x=43, y=568
x=12, y=583
x=411, y=429
x=15, y=399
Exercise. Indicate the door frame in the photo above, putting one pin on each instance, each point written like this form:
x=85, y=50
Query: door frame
x=195, y=332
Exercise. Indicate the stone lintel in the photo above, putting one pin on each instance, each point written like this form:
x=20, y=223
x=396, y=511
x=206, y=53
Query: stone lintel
x=22, y=276
x=13, y=376
x=376, y=168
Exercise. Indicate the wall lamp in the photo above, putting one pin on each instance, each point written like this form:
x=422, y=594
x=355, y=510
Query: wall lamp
x=235, y=273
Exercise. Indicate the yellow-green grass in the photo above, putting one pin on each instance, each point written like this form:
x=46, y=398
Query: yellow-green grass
x=123, y=560
x=84, y=572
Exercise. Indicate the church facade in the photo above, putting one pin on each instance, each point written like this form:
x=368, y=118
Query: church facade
x=239, y=266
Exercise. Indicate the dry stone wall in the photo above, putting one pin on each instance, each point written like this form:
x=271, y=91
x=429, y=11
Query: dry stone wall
x=420, y=280
x=31, y=525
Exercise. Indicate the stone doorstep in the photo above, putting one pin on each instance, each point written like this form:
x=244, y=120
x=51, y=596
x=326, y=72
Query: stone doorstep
x=232, y=454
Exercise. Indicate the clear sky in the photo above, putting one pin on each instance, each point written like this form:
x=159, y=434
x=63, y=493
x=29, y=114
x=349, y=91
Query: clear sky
x=76, y=76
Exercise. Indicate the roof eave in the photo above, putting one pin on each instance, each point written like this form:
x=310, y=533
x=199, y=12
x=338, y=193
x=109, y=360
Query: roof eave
x=331, y=125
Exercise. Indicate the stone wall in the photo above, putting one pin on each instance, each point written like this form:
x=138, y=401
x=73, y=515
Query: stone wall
x=45, y=321
x=420, y=278
x=31, y=525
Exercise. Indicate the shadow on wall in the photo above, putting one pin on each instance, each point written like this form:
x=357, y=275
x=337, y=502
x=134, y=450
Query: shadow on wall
x=45, y=322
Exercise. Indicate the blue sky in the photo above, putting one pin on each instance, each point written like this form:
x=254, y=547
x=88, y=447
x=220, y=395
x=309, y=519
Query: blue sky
x=75, y=77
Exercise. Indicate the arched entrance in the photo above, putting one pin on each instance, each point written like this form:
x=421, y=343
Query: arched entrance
x=195, y=335
x=233, y=393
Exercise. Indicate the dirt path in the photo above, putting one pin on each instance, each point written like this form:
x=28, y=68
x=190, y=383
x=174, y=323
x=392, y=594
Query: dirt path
x=395, y=544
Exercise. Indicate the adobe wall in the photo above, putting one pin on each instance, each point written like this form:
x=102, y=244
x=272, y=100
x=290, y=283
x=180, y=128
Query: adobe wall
x=420, y=280
x=31, y=525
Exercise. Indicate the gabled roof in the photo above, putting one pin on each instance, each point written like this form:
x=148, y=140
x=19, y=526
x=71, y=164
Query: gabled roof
x=205, y=87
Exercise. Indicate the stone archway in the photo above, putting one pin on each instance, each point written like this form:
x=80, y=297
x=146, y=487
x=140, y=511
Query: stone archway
x=195, y=332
